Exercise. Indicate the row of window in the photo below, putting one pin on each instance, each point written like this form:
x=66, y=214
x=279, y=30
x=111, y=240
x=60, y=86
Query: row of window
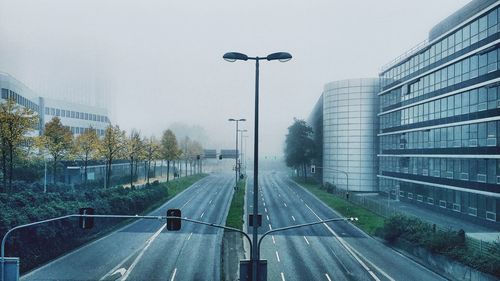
x=8, y=94
x=463, y=70
x=75, y=114
x=459, y=201
x=464, y=169
x=80, y=130
x=484, y=98
x=470, y=135
x=473, y=32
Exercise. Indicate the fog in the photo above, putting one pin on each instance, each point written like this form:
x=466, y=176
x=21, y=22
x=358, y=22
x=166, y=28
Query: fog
x=154, y=64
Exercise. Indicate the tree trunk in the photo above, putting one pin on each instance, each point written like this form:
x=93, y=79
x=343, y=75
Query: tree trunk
x=145, y=170
x=131, y=172
x=54, y=168
x=108, y=175
x=4, y=169
x=11, y=164
x=148, y=170
x=168, y=169
x=186, y=172
x=154, y=168
x=85, y=168
x=305, y=172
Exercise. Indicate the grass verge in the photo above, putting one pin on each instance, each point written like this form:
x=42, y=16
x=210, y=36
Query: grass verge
x=369, y=222
x=235, y=214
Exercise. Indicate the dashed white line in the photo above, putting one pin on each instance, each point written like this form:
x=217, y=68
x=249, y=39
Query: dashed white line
x=270, y=227
x=173, y=274
x=264, y=203
x=279, y=195
x=267, y=217
x=189, y=237
x=293, y=218
x=285, y=204
x=328, y=277
x=202, y=215
x=274, y=241
x=282, y=276
x=278, y=256
x=210, y=202
x=353, y=252
x=138, y=258
x=307, y=241
x=265, y=209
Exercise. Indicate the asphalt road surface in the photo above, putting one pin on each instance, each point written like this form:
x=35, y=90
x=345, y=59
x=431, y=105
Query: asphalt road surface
x=144, y=250
x=331, y=251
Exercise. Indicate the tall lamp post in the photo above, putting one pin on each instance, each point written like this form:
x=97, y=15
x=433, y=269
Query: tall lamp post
x=236, y=158
x=241, y=149
x=232, y=57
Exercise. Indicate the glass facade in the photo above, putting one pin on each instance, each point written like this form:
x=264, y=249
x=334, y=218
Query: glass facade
x=349, y=133
x=439, y=119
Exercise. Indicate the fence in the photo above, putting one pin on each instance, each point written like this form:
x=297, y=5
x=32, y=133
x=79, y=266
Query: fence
x=484, y=248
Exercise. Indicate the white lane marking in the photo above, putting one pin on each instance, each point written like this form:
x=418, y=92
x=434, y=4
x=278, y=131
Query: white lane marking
x=270, y=227
x=353, y=252
x=307, y=241
x=265, y=209
x=202, y=215
x=279, y=195
x=293, y=218
x=210, y=202
x=264, y=203
x=189, y=237
x=173, y=274
x=278, y=256
x=274, y=241
x=285, y=204
x=267, y=217
x=120, y=270
x=138, y=258
x=282, y=276
x=328, y=277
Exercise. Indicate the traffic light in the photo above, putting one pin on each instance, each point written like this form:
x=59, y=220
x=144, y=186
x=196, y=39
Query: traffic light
x=86, y=222
x=220, y=157
x=198, y=157
x=173, y=223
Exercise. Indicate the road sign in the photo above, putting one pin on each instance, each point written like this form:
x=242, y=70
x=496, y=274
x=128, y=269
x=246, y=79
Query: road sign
x=173, y=223
x=246, y=270
x=250, y=220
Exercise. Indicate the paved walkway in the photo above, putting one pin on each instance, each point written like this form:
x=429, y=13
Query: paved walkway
x=472, y=229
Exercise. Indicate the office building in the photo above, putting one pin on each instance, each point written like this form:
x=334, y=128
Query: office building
x=440, y=117
x=76, y=117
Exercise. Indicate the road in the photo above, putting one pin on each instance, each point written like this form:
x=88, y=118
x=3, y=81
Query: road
x=333, y=251
x=144, y=250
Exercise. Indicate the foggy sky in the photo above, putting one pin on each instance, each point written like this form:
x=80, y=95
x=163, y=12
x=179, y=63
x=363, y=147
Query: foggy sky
x=156, y=63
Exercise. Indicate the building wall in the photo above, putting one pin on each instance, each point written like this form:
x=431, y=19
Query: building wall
x=349, y=128
x=315, y=121
x=440, y=118
x=76, y=116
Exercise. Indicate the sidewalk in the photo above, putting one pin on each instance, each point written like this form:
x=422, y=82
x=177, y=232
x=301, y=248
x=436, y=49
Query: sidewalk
x=480, y=232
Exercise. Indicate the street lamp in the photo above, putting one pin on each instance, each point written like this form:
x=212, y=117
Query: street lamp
x=232, y=57
x=241, y=148
x=236, y=158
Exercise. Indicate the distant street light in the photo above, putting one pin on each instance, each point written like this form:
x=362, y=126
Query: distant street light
x=241, y=149
x=232, y=57
x=236, y=158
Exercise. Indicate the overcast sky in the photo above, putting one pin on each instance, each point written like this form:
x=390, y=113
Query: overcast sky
x=155, y=63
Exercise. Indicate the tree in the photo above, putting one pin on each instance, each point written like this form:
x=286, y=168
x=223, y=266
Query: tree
x=85, y=147
x=57, y=140
x=169, y=148
x=133, y=150
x=111, y=147
x=299, y=146
x=185, y=151
x=152, y=149
x=15, y=122
x=195, y=149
